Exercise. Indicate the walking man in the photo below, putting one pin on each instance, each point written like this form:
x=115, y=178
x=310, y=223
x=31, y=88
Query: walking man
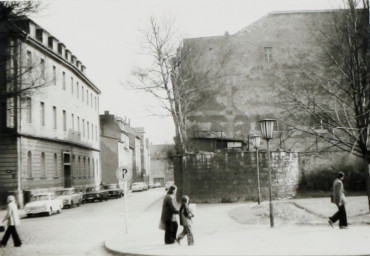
x=339, y=200
x=168, y=217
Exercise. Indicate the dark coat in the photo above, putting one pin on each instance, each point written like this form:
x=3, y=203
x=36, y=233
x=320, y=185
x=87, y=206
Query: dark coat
x=168, y=208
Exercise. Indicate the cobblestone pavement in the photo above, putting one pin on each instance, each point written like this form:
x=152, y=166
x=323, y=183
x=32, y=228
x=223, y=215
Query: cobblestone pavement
x=81, y=230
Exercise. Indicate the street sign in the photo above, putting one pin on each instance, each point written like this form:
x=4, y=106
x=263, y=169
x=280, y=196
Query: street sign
x=122, y=173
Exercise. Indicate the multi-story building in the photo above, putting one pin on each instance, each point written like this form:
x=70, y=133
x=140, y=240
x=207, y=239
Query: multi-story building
x=115, y=147
x=51, y=136
x=123, y=146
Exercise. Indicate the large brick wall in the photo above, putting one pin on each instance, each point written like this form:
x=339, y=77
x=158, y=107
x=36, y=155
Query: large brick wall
x=232, y=176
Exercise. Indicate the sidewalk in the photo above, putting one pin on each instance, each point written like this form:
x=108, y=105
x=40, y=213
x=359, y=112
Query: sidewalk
x=243, y=229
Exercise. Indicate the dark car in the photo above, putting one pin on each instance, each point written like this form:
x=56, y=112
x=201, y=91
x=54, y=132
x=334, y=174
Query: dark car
x=94, y=193
x=114, y=190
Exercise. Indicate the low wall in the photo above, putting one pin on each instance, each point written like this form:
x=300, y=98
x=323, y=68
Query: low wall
x=232, y=176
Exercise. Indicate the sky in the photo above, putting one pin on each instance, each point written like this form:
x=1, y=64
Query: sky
x=105, y=35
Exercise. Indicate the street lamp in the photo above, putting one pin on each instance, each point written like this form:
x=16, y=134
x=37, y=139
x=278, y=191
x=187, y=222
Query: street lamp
x=256, y=144
x=267, y=131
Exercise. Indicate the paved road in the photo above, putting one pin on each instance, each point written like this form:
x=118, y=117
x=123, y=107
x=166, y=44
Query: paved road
x=81, y=230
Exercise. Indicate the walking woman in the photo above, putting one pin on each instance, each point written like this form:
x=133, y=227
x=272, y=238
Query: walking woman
x=12, y=217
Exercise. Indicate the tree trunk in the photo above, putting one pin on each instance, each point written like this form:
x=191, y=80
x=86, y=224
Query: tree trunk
x=367, y=168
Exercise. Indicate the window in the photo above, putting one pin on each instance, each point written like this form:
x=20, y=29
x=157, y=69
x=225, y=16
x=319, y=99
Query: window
x=78, y=125
x=54, y=75
x=92, y=131
x=77, y=90
x=87, y=97
x=42, y=68
x=64, y=81
x=96, y=133
x=54, y=117
x=43, y=170
x=73, y=123
x=91, y=99
x=88, y=130
x=82, y=93
x=79, y=166
x=29, y=61
x=72, y=85
x=42, y=113
x=84, y=167
x=55, y=165
x=28, y=110
x=268, y=54
x=64, y=120
x=29, y=164
x=83, y=127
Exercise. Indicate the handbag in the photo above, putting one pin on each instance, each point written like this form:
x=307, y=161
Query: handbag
x=2, y=228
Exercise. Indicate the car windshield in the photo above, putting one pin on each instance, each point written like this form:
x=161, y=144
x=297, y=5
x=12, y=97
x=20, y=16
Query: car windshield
x=90, y=190
x=39, y=198
x=136, y=184
x=63, y=192
x=110, y=186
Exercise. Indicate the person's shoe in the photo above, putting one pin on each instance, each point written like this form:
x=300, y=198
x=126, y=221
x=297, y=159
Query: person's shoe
x=331, y=223
x=343, y=227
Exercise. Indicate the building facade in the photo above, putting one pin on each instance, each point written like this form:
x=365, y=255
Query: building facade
x=241, y=69
x=50, y=137
x=161, y=163
x=123, y=145
x=115, y=147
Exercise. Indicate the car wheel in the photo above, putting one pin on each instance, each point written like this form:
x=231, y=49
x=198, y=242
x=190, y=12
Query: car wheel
x=29, y=215
x=78, y=203
x=50, y=212
x=59, y=211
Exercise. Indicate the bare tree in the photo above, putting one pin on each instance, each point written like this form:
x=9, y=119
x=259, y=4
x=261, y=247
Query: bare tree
x=20, y=76
x=330, y=98
x=171, y=78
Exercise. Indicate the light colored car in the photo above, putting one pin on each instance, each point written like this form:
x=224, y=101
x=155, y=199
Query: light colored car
x=114, y=190
x=139, y=186
x=168, y=184
x=43, y=203
x=157, y=185
x=69, y=197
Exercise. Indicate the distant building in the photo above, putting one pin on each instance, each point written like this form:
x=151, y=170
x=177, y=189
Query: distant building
x=123, y=145
x=49, y=138
x=161, y=163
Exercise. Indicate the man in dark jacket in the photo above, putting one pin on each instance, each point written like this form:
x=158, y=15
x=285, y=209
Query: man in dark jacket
x=168, y=216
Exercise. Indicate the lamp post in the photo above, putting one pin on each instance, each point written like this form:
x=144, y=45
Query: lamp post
x=256, y=144
x=267, y=131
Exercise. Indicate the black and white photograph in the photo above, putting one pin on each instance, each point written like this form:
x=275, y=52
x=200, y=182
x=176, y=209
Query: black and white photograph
x=184, y=127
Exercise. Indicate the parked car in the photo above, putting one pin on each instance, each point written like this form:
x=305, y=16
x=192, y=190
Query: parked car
x=139, y=186
x=168, y=184
x=43, y=203
x=94, y=193
x=69, y=197
x=114, y=190
x=150, y=184
x=157, y=185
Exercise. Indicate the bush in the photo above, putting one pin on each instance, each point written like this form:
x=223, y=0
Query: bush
x=354, y=179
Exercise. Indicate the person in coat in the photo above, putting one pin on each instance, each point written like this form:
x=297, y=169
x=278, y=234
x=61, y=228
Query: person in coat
x=168, y=216
x=185, y=221
x=12, y=217
x=339, y=200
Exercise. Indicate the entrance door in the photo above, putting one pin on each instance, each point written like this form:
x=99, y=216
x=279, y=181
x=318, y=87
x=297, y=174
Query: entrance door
x=67, y=169
x=67, y=176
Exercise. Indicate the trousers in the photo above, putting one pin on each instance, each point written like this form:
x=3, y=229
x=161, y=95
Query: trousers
x=11, y=230
x=340, y=215
x=187, y=232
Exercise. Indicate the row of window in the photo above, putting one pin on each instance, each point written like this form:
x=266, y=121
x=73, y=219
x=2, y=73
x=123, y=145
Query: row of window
x=75, y=87
x=81, y=166
x=77, y=125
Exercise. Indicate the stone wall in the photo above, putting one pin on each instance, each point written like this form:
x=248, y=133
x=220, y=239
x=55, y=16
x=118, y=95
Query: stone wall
x=232, y=176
